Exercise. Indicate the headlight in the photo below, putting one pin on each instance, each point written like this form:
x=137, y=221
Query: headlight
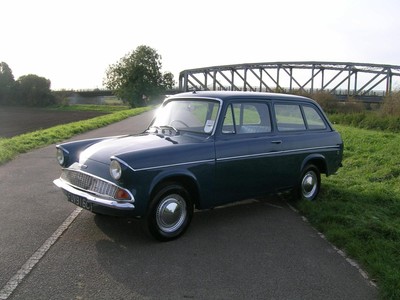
x=115, y=169
x=60, y=156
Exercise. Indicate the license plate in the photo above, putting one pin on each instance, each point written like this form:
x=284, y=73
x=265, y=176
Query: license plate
x=80, y=201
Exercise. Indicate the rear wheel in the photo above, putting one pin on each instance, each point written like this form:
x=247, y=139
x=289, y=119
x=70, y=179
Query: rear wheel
x=310, y=183
x=170, y=212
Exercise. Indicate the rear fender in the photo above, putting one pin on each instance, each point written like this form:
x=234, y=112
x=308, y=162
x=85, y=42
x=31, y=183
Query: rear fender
x=316, y=159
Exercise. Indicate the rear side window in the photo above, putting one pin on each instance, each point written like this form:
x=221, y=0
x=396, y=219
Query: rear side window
x=289, y=117
x=314, y=120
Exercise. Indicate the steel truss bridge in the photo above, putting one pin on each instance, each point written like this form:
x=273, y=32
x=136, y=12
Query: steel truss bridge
x=343, y=79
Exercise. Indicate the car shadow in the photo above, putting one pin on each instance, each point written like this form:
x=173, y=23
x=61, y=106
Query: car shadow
x=256, y=249
x=216, y=243
x=130, y=230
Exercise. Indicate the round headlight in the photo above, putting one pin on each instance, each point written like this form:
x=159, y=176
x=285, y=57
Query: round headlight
x=115, y=169
x=60, y=156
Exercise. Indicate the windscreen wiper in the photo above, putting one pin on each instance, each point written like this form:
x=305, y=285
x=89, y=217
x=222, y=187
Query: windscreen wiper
x=165, y=129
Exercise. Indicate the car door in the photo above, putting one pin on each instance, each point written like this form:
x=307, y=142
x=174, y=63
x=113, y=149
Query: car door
x=245, y=152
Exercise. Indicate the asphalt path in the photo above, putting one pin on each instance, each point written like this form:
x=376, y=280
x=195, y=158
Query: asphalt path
x=50, y=249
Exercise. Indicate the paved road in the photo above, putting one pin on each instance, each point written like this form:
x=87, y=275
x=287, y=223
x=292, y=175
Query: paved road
x=255, y=250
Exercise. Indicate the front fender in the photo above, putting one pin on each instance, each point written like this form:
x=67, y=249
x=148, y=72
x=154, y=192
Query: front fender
x=72, y=150
x=167, y=175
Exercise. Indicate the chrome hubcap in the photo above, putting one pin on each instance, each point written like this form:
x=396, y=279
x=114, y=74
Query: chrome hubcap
x=171, y=213
x=309, y=185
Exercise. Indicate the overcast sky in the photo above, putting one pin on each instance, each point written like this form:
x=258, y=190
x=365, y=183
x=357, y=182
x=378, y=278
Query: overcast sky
x=73, y=42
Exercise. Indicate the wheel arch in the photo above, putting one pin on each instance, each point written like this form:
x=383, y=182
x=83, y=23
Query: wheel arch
x=318, y=160
x=184, y=178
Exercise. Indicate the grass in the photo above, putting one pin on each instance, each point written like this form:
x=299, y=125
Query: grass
x=11, y=147
x=358, y=210
x=90, y=107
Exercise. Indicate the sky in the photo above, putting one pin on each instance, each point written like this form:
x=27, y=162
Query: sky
x=73, y=42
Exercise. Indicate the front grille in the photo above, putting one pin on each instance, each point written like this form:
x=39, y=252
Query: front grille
x=89, y=183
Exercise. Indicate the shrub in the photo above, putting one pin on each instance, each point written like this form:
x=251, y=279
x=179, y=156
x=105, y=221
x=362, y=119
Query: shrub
x=331, y=105
x=391, y=105
x=368, y=120
x=328, y=102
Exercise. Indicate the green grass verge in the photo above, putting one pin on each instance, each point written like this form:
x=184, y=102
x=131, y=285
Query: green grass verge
x=11, y=147
x=90, y=107
x=359, y=209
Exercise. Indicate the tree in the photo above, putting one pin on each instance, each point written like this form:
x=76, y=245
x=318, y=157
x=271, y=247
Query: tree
x=137, y=77
x=7, y=84
x=34, y=90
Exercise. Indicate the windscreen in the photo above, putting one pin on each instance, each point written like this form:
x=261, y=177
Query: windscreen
x=188, y=115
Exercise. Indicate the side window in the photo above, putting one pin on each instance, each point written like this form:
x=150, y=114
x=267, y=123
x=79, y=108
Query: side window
x=245, y=118
x=289, y=117
x=314, y=120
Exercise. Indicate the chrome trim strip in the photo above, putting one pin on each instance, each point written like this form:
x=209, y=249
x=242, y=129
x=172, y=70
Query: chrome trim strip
x=122, y=162
x=93, y=199
x=163, y=166
x=62, y=148
x=175, y=165
x=328, y=148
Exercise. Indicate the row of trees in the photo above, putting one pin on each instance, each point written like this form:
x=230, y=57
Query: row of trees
x=135, y=78
x=29, y=90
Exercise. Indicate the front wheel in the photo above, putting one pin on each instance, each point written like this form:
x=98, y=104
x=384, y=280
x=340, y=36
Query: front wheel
x=310, y=183
x=170, y=212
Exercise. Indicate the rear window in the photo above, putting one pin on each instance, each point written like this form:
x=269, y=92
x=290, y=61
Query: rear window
x=289, y=117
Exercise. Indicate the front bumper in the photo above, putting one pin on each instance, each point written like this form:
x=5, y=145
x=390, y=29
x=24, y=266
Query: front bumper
x=100, y=205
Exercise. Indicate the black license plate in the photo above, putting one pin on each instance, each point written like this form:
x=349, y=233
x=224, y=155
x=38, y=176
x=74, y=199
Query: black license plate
x=80, y=201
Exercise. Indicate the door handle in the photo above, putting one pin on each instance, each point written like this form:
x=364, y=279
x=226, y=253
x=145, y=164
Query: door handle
x=276, y=142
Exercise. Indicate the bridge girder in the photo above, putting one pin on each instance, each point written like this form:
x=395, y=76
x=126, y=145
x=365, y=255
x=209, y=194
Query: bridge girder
x=355, y=79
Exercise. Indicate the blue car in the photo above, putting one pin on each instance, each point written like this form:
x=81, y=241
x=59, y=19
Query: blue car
x=203, y=149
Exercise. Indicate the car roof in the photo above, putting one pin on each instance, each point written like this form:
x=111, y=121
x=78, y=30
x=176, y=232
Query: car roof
x=226, y=95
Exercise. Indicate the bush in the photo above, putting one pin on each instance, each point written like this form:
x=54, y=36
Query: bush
x=351, y=106
x=391, y=105
x=368, y=120
x=328, y=102
x=331, y=105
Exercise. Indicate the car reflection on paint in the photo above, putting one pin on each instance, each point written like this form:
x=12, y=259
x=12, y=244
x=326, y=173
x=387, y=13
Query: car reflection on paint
x=203, y=149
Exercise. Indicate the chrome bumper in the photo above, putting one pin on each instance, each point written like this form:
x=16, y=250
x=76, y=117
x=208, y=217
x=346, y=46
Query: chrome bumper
x=93, y=198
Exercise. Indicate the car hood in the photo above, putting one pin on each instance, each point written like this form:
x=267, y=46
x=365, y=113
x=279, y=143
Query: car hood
x=103, y=150
x=124, y=146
